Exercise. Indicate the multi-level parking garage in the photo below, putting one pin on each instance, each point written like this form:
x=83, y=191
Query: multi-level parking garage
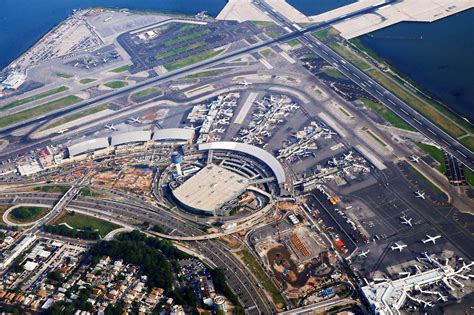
x=225, y=171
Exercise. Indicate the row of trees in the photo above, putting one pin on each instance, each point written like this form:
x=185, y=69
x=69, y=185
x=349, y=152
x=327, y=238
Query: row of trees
x=74, y=233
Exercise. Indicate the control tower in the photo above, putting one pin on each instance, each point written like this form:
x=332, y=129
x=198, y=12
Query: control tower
x=176, y=159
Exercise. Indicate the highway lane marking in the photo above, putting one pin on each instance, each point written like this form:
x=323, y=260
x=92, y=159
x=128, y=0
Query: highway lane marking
x=417, y=121
x=325, y=52
x=445, y=141
x=461, y=153
x=379, y=92
x=431, y=131
x=404, y=111
x=391, y=101
x=355, y=74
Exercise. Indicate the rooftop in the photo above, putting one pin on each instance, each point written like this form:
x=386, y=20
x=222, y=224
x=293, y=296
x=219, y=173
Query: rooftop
x=210, y=188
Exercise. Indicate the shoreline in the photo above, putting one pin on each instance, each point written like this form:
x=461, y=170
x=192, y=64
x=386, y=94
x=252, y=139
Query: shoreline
x=407, y=81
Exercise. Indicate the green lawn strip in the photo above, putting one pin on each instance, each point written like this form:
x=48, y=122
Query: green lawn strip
x=88, y=192
x=187, y=37
x=39, y=110
x=427, y=110
x=120, y=69
x=265, y=53
x=425, y=179
x=146, y=92
x=334, y=73
x=469, y=176
x=386, y=114
x=352, y=57
x=84, y=222
x=435, y=153
x=116, y=84
x=326, y=33
x=35, y=97
x=273, y=34
x=87, y=80
x=27, y=214
x=294, y=42
x=312, y=56
x=468, y=141
x=77, y=115
x=262, y=277
x=179, y=50
x=202, y=74
x=64, y=75
x=53, y=189
x=192, y=59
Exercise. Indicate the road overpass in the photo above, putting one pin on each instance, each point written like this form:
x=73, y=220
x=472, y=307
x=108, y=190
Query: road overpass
x=390, y=100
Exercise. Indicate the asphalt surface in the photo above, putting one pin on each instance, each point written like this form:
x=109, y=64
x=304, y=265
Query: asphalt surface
x=392, y=102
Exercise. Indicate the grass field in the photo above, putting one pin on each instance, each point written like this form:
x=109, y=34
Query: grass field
x=87, y=192
x=312, y=56
x=265, y=53
x=116, y=84
x=87, y=80
x=34, y=97
x=84, y=222
x=326, y=33
x=187, y=37
x=435, y=153
x=53, y=189
x=27, y=214
x=39, y=110
x=120, y=69
x=427, y=110
x=469, y=176
x=273, y=34
x=192, y=59
x=3, y=208
x=262, y=277
x=179, y=50
x=146, y=92
x=64, y=75
x=352, y=57
x=334, y=73
x=202, y=74
x=386, y=114
x=79, y=114
x=293, y=42
x=468, y=142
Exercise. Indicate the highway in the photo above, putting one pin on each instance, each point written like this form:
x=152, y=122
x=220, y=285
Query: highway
x=252, y=298
x=392, y=102
x=186, y=70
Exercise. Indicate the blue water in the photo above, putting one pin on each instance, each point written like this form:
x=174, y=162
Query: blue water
x=441, y=63
x=23, y=22
x=314, y=7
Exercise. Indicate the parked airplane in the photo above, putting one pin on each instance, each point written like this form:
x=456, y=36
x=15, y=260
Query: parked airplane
x=419, y=194
x=364, y=253
x=431, y=239
x=136, y=120
x=398, y=247
x=406, y=221
x=245, y=83
x=333, y=162
x=60, y=132
x=111, y=127
x=105, y=60
x=348, y=157
x=415, y=158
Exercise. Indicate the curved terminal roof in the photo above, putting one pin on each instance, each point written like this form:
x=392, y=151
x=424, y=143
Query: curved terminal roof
x=256, y=152
x=130, y=137
x=88, y=146
x=174, y=134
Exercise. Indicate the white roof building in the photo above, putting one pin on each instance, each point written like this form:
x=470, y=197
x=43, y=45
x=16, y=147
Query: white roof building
x=130, y=137
x=88, y=146
x=169, y=134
